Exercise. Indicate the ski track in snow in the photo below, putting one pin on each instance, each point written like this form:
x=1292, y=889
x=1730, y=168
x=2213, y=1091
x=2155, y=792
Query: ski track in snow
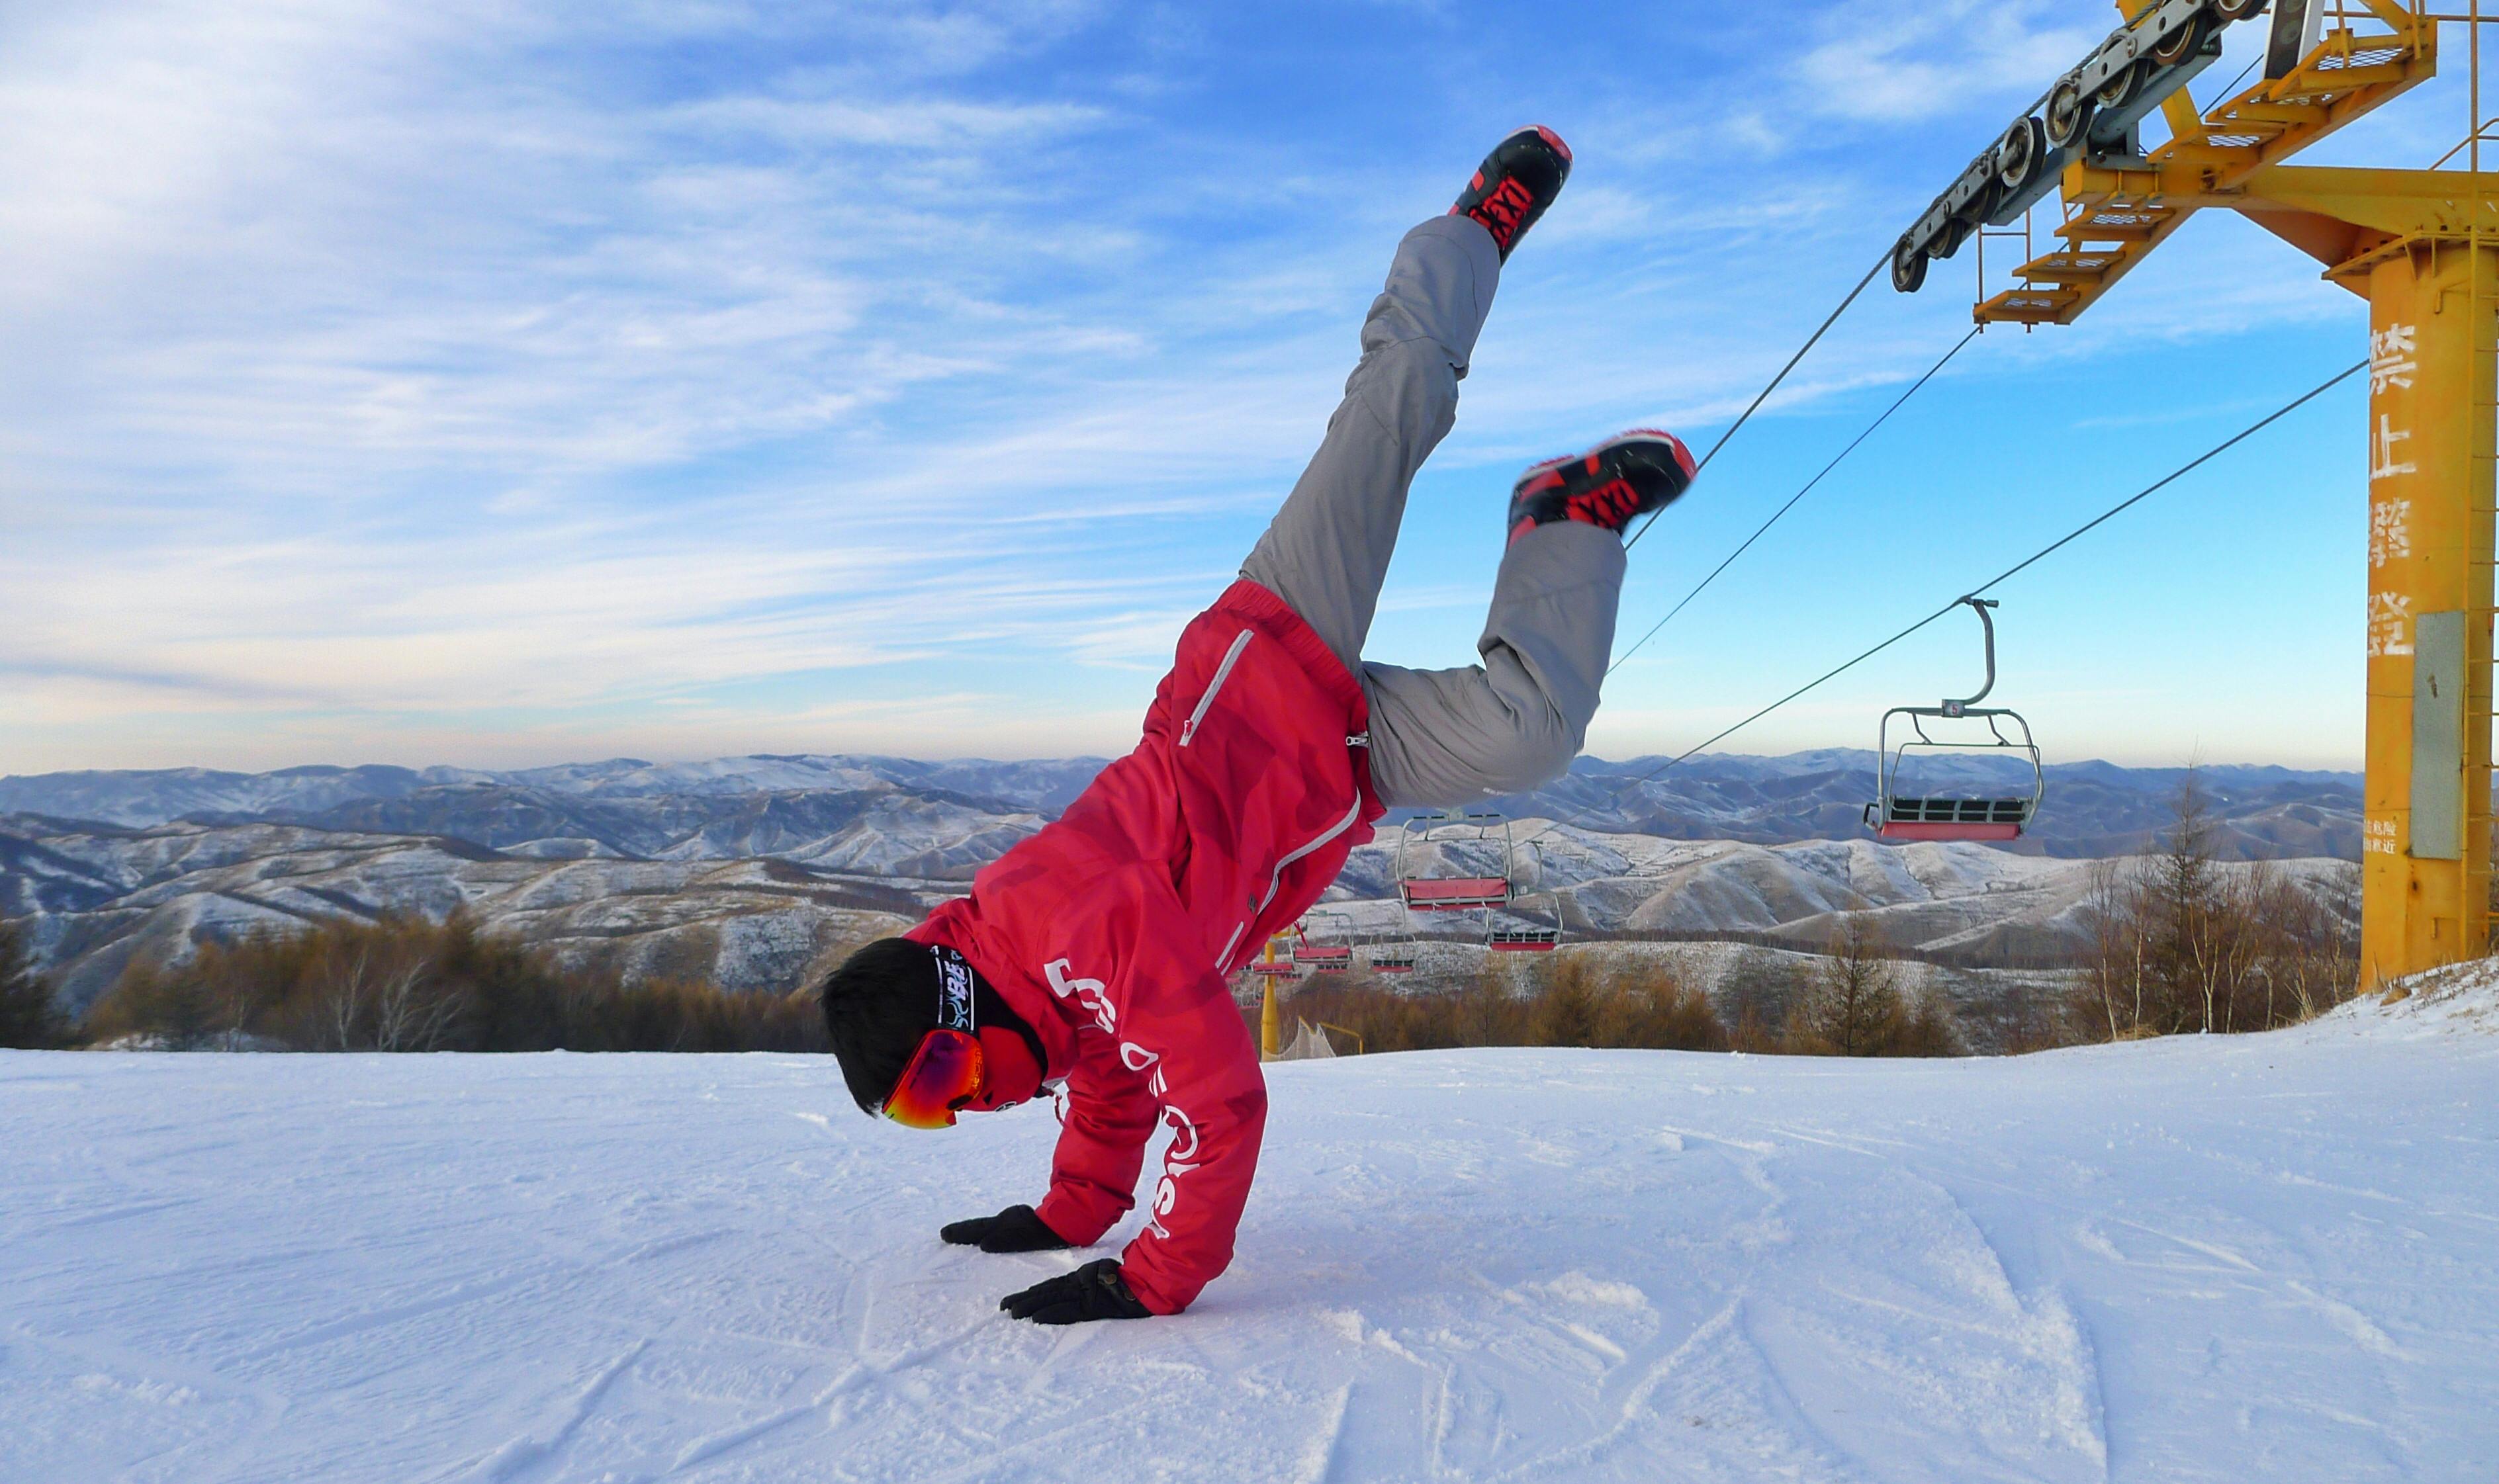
x=2204, y=1259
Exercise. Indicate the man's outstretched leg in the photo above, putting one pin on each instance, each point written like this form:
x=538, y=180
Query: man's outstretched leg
x=1328, y=549
x=1448, y=737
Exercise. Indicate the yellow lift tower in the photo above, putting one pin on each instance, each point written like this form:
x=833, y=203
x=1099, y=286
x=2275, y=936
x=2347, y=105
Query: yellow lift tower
x=2418, y=245
x=1267, y=968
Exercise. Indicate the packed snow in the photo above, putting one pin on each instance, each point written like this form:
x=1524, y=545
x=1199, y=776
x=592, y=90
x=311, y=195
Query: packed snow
x=2264, y=1257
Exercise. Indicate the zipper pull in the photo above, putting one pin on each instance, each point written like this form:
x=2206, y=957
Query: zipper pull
x=1358, y=739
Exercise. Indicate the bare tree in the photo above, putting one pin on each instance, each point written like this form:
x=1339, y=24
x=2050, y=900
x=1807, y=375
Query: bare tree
x=409, y=1012
x=2113, y=972
x=2181, y=942
x=2183, y=895
x=345, y=1002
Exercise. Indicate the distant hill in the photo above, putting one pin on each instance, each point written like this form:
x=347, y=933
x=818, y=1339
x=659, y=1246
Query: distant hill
x=938, y=818
x=755, y=872
x=2090, y=809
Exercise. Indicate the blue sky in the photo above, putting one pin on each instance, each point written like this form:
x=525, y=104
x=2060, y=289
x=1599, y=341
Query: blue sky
x=493, y=384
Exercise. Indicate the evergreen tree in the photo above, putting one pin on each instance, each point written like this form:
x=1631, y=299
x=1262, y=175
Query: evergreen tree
x=29, y=1017
x=1855, y=1008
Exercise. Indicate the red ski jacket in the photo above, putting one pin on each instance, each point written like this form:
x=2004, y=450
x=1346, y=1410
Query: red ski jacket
x=1113, y=929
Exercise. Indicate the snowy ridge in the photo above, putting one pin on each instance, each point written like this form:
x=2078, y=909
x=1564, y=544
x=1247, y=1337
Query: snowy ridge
x=639, y=808
x=2156, y=1263
x=141, y=799
x=97, y=897
x=746, y=924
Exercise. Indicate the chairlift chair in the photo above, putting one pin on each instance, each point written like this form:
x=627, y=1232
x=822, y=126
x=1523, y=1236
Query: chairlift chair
x=1270, y=965
x=1523, y=939
x=1928, y=816
x=1536, y=937
x=1391, y=957
x=1330, y=952
x=1443, y=878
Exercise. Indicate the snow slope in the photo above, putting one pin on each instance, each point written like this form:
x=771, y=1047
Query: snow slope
x=2203, y=1259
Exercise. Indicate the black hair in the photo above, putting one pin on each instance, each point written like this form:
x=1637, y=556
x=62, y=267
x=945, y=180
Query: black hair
x=877, y=1005
x=883, y=1000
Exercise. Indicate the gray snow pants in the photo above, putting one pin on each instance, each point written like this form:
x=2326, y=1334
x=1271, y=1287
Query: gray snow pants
x=1442, y=737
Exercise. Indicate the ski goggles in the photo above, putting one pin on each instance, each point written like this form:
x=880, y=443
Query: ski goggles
x=946, y=1072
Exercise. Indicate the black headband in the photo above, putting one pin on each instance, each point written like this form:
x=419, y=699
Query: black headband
x=954, y=980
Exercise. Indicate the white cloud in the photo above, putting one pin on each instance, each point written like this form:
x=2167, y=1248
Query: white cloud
x=378, y=372
x=1898, y=61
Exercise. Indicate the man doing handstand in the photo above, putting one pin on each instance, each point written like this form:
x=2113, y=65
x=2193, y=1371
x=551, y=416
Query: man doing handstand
x=1095, y=954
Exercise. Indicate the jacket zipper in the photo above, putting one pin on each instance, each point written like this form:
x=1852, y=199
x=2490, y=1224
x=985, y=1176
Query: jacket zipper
x=1223, y=673
x=1276, y=878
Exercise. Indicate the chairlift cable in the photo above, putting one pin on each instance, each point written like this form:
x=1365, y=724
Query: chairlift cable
x=2096, y=520
x=1792, y=500
x=1764, y=396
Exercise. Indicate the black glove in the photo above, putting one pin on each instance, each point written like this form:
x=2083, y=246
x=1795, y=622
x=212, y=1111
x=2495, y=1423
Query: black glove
x=1016, y=1229
x=1094, y=1291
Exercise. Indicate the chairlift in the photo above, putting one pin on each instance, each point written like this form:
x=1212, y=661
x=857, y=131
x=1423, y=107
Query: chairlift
x=1330, y=952
x=1524, y=940
x=1441, y=861
x=1537, y=934
x=1271, y=964
x=1391, y=957
x=1927, y=816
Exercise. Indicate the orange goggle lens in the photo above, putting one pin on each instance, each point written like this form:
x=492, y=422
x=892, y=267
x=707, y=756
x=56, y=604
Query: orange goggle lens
x=944, y=1074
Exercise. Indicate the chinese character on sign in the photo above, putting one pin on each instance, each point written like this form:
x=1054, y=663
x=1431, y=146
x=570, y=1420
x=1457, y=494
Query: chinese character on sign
x=2390, y=623
x=2390, y=530
x=2383, y=465
x=2378, y=836
x=2390, y=358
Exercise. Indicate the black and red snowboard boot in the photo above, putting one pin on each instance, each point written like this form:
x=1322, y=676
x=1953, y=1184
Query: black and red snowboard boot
x=1515, y=184
x=1628, y=474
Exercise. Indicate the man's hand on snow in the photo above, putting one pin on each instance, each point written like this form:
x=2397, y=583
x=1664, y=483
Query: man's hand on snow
x=1016, y=1229
x=1094, y=1291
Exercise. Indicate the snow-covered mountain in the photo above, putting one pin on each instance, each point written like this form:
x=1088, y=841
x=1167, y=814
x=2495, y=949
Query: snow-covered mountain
x=751, y=871
x=96, y=896
x=790, y=805
x=138, y=799
x=2205, y=1258
x=2090, y=808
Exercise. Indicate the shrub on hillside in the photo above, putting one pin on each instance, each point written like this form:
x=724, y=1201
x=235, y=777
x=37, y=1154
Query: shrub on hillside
x=1568, y=999
x=406, y=984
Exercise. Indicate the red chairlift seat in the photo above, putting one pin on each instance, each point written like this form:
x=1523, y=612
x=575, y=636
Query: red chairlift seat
x=1330, y=953
x=1928, y=817
x=1533, y=936
x=1454, y=893
x=1523, y=939
x=1442, y=859
x=1954, y=818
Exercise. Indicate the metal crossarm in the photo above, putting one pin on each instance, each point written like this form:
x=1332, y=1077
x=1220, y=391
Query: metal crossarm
x=2119, y=208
